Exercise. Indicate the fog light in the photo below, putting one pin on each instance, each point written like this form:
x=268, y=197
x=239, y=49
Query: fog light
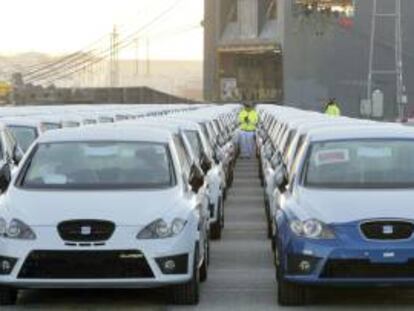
x=301, y=264
x=304, y=266
x=7, y=265
x=173, y=264
x=169, y=265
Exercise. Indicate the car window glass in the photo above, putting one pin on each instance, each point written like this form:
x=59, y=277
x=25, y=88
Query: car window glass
x=9, y=143
x=24, y=135
x=195, y=141
x=99, y=165
x=361, y=164
x=182, y=153
x=47, y=126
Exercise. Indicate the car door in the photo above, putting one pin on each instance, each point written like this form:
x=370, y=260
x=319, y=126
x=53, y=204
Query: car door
x=185, y=159
x=11, y=151
x=202, y=194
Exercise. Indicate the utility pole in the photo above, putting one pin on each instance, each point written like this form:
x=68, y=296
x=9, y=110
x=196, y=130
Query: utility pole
x=137, y=57
x=114, y=65
x=400, y=96
x=148, y=57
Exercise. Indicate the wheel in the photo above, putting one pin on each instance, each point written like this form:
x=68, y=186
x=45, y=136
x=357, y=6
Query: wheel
x=222, y=212
x=8, y=296
x=269, y=231
x=204, y=270
x=268, y=220
x=288, y=294
x=187, y=293
x=215, y=229
x=206, y=262
x=291, y=294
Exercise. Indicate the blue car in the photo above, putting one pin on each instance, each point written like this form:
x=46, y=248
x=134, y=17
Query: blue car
x=345, y=216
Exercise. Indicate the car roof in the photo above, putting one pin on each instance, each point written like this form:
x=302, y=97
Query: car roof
x=362, y=132
x=107, y=133
x=21, y=121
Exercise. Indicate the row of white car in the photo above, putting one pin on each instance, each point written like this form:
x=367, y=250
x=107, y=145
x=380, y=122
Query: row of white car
x=339, y=198
x=125, y=204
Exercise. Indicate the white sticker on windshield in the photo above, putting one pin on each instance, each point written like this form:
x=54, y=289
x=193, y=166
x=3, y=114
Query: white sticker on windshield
x=374, y=152
x=159, y=149
x=127, y=153
x=96, y=151
x=55, y=179
x=332, y=156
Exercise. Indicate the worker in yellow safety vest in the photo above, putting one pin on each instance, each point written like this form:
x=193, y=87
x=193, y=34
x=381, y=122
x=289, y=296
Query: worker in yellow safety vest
x=248, y=120
x=332, y=108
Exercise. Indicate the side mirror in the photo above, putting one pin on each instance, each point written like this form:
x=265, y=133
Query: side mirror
x=216, y=158
x=5, y=176
x=196, y=179
x=268, y=152
x=220, y=141
x=17, y=155
x=276, y=160
x=281, y=178
x=205, y=163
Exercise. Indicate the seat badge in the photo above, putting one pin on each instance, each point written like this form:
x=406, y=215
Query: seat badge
x=388, y=229
x=86, y=230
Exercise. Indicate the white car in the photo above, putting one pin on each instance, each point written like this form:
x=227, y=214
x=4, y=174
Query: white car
x=27, y=129
x=10, y=152
x=103, y=207
x=213, y=170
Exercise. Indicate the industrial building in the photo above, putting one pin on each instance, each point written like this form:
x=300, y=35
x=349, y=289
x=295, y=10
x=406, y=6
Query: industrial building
x=303, y=52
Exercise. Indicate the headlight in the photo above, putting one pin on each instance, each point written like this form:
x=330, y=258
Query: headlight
x=160, y=229
x=312, y=229
x=16, y=229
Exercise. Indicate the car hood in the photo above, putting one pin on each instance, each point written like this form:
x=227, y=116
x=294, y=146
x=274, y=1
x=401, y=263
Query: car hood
x=49, y=208
x=343, y=206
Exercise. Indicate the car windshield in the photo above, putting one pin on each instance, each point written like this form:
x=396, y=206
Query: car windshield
x=89, y=122
x=47, y=126
x=361, y=164
x=25, y=135
x=70, y=124
x=106, y=120
x=99, y=165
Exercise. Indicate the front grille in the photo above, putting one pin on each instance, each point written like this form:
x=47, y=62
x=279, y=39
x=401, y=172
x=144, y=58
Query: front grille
x=346, y=269
x=85, y=265
x=387, y=230
x=86, y=230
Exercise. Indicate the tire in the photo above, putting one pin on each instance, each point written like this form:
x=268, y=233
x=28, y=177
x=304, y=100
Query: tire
x=291, y=294
x=268, y=221
x=206, y=262
x=187, y=293
x=288, y=294
x=222, y=220
x=204, y=271
x=215, y=229
x=8, y=296
x=269, y=231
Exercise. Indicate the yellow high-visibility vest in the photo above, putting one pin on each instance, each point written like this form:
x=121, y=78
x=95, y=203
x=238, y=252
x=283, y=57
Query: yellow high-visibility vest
x=333, y=110
x=248, y=120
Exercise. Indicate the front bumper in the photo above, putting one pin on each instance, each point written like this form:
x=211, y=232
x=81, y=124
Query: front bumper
x=337, y=263
x=48, y=262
